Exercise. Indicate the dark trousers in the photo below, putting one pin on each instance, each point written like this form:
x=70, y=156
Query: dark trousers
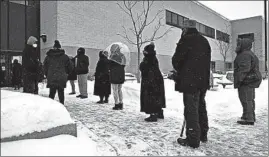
x=247, y=96
x=195, y=114
x=103, y=96
x=30, y=86
x=60, y=94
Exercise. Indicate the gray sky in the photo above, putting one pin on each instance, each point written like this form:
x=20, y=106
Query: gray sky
x=237, y=9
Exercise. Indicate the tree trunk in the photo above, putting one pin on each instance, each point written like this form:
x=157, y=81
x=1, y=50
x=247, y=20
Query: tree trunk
x=138, y=63
x=225, y=65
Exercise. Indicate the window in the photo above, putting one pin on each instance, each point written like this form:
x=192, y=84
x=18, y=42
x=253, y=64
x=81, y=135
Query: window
x=168, y=17
x=213, y=65
x=248, y=35
x=174, y=19
x=228, y=66
x=223, y=36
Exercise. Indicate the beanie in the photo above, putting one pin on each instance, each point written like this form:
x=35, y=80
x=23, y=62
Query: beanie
x=57, y=44
x=150, y=48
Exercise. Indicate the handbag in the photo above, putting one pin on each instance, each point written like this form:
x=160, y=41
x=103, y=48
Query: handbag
x=251, y=77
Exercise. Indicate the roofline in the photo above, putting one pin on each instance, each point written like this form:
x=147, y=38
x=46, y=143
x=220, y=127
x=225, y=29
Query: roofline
x=211, y=10
x=258, y=16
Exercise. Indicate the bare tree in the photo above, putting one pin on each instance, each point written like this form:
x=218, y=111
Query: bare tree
x=225, y=48
x=140, y=20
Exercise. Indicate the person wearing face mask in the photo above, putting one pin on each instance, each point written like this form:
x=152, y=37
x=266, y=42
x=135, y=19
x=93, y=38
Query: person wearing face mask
x=30, y=64
x=152, y=96
x=247, y=77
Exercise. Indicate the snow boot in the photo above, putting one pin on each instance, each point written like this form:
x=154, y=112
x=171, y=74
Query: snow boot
x=117, y=107
x=244, y=122
x=151, y=118
x=106, y=101
x=184, y=142
x=203, y=139
x=160, y=114
x=100, y=102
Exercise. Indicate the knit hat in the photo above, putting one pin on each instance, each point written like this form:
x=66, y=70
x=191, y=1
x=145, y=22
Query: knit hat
x=81, y=51
x=57, y=44
x=189, y=23
x=31, y=40
x=150, y=48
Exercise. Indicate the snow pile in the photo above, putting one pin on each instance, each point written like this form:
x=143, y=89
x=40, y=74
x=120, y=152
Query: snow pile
x=26, y=113
x=61, y=145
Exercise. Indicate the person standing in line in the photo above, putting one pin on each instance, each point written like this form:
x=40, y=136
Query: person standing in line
x=192, y=64
x=102, y=86
x=57, y=66
x=16, y=74
x=152, y=96
x=82, y=70
x=247, y=77
x=72, y=76
x=30, y=66
x=117, y=78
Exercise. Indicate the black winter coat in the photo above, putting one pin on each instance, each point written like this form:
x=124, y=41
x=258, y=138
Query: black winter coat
x=192, y=62
x=16, y=74
x=30, y=63
x=152, y=96
x=246, y=64
x=57, y=66
x=102, y=84
x=73, y=74
x=82, y=66
x=117, y=73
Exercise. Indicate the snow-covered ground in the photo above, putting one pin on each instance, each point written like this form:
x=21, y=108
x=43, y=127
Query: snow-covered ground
x=126, y=133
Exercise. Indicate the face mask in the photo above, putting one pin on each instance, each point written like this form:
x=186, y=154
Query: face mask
x=34, y=45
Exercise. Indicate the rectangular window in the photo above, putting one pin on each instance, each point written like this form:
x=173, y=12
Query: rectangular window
x=223, y=36
x=174, y=19
x=180, y=21
x=248, y=35
x=228, y=66
x=168, y=17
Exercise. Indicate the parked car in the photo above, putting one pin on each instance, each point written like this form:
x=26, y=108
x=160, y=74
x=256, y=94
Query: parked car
x=227, y=79
x=130, y=77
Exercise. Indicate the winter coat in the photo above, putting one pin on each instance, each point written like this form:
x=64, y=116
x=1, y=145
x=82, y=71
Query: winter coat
x=117, y=73
x=16, y=74
x=82, y=66
x=246, y=64
x=192, y=62
x=102, y=84
x=57, y=66
x=152, y=95
x=73, y=74
x=30, y=63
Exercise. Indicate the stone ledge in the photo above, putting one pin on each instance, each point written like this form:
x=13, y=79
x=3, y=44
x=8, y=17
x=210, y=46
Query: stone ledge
x=69, y=129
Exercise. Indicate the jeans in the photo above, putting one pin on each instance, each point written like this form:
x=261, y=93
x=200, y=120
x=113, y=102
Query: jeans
x=117, y=93
x=247, y=99
x=82, y=84
x=72, y=83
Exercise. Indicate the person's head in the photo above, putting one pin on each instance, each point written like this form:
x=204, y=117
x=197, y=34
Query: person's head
x=32, y=41
x=15, y=61
x=243, y=44
x=103, y=54
x=188, y=25
x=115, y=48
x=57, y=44
x=149, y=50
x=81, y=51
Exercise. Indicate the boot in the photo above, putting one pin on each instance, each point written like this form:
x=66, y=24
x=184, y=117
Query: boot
x=116, y=107
x=160, y=115
x=184, y=142
x=120, y=106
x=106, y=100
x=100, y=102
x=203, y=138
x=151, y=118
x=244, y=122
x=78, y=96
x=72, y=93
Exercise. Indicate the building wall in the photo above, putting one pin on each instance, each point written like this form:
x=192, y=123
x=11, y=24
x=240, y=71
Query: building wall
x=251, y=25
x=48, y=20
x=96, y=24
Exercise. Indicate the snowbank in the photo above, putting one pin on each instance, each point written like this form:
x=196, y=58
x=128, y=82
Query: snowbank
x=26, y=113
x=62, y=145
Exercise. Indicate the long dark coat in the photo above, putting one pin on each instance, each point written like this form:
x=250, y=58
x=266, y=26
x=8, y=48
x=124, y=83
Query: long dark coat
x=57, y=66
x=246, y=64
x=16, y=74
x=117, y=73
x=102, y=84
x=152, y=96
x=73, y=74
x=192, y=62
x=30, y=63
x=82, y=63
